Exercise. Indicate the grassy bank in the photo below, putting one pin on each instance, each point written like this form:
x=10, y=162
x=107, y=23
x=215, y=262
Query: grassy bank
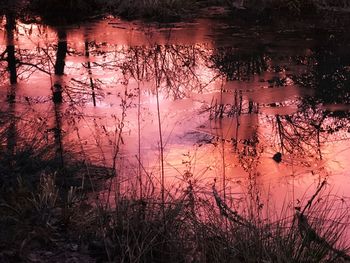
x=68, y=11
x=48, y=223
x=156, y=10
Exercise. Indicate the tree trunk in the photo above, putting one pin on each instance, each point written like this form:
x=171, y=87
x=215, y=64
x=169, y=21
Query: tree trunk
x=10, y=49
x=61, y=52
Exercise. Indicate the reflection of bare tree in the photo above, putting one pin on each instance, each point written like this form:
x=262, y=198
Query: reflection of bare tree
x=88, y=65
x=184, y=69
x=59, y=65
x=296, y=135
x=138, y=75
x=237, y=65
x=21, y=63
x=61, y=52
x=305, y=132
x=331, y=74
x=11, y=66
x=11, y=62
x=57, y=93
x=31, y=61
x=10, y=49
x=180, y=67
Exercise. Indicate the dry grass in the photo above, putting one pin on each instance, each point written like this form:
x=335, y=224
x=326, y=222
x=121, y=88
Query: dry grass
x=294, y=7
x=187, y=227
x=70, y=11
x=155, y=9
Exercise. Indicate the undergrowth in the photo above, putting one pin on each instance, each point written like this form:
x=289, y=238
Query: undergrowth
x=186, y=227
x=72, y=11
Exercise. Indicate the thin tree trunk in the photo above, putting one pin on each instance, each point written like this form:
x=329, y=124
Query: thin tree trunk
x=57, y=97
x=61, y=52
x=11, y=61
x=11, y=58
x=87, y=55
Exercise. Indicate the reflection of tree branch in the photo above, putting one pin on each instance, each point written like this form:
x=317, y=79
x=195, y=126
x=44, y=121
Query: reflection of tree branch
x=236, y=65
x=306, y=130
x=176, y=66
x=48, y=56
x=78, y=91
x=2, y=55
x=186, y=62
x=21, y=63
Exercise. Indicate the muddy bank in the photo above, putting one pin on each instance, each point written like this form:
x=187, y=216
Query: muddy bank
x=279, y=13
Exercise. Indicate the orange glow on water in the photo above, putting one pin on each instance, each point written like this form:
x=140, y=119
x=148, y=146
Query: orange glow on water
x=122, y=66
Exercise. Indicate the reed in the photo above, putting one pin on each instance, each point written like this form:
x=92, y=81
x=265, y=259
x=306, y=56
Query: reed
x=184, y=225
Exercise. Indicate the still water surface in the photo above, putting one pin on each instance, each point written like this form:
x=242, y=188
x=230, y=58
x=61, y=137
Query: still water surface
x=219, y=99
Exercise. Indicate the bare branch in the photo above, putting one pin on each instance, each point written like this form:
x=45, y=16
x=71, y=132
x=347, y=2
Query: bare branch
x=2, y=55
x=21, y=63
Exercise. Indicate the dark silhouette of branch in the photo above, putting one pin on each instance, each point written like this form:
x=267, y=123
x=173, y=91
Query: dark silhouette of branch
x=21, y=63
x=2, y=55
x=309, y=203
x=228, y=212
x=308, y=233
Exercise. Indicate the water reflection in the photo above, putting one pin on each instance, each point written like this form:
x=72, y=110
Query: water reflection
x=212, y=111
